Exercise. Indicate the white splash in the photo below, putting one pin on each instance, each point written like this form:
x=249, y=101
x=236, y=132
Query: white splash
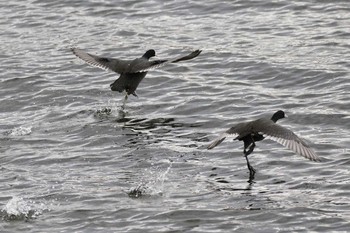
x=18, y=208
x=152, y=183
x=21, y=131
x=156, y=180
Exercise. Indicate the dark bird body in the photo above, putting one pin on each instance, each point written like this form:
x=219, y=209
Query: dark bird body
x=253, y=131
x=131, y=71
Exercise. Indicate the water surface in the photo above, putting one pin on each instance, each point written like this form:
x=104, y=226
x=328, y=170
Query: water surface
x=72, y=161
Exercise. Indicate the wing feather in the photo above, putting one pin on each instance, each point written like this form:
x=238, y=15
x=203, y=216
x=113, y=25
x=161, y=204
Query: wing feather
x=116, y=65
x=220, y=139
x=297, y=145
x=138, y=65
x=155, y=64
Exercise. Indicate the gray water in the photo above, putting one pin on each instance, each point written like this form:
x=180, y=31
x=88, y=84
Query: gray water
x=73, y=161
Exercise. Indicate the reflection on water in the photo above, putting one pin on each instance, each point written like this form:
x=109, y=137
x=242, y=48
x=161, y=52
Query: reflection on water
x=144, y=123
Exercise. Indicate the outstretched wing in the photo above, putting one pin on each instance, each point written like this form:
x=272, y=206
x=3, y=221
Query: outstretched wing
x=138, y=65
x=151, y=65
x=116, y=65
x=233, y=132
x=288, y=139
x=188, y=57
x=217, y=141
x=141, y=65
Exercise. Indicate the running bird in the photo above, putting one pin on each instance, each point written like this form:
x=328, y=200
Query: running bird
x=253, y=131
x=131, y=71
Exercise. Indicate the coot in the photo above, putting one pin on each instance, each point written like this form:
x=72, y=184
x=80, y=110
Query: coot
x=264, y=128
x=131, y=71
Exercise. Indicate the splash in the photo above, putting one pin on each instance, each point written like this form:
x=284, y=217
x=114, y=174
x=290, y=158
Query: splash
x=20, y=131
x=121, y=109
x=153, y=182
x=104, y=111
x=112, y=109
x=20, y=209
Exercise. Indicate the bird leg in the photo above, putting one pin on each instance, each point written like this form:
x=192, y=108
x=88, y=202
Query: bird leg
x=250, y=145
x=251, y=170
x=125, y=99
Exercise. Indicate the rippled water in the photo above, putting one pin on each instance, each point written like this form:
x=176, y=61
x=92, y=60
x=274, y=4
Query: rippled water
x=69, y=164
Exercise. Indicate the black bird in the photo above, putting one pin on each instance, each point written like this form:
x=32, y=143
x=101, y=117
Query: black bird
x=253, y=131
x=131, y=71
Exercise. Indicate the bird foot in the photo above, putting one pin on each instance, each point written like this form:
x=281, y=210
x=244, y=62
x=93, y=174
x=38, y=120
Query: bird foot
x=252, y=172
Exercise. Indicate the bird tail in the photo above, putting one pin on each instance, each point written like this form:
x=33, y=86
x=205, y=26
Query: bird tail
x=128, y=82
x=216, y=142
x=118, y=85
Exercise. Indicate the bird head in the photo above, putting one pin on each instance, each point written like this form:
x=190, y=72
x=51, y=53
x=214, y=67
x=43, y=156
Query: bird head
x=150, y=53
x=278, y=115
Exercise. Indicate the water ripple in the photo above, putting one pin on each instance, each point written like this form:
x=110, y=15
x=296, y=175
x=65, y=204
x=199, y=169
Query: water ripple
x=75, y=159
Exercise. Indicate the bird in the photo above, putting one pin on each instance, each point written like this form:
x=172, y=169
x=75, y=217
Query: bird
x=131, y=71
x=265, y=128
